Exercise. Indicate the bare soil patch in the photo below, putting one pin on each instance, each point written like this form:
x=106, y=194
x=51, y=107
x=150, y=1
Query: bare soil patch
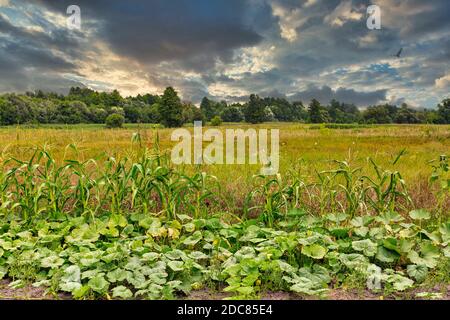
x=29, y=292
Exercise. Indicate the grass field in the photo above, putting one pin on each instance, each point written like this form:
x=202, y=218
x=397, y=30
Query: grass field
x=304, y=149
x=347, y=200
x=312, y=145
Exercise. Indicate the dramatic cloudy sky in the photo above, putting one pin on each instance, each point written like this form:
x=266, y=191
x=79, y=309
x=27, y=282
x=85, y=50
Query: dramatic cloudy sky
x=227, y=49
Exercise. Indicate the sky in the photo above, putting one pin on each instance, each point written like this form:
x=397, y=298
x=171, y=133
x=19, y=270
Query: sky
x=228, y=49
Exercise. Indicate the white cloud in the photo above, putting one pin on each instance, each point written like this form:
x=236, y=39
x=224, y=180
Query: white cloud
x=309, y=3
x=443, y=82
x=223, y=90
x=289, y=20
x=341, y=14
x=368, y=40
x=4, y=3
x=252, y=60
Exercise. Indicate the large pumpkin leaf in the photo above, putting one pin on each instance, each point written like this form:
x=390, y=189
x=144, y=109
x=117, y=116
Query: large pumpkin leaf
x=71, y=274
x=417, y=271
x=3, y=272
x=368, y=247
x=354, y=261
x=192, y=240
x=337, y=217
x=69, y=286
x=314, y=251
x=71, y=280
x=446, y=251
x=159, y=278
x=122, y=292
x=428, y=255
x=150, y=223
x=399, y=282
x=307, y=286
x=175, y=265
x=444, y=229
x=98, y=284
x=386, y=255
x=117, y=275
x=52, y=261
x=420, y=214
x=389, y=217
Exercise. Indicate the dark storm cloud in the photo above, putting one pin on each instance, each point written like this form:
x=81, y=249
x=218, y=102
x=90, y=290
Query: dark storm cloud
x=15, y=78
x=227, y=49
x=39, y=58
x=195, y=33
x=31, y=59
x=321, y=50
x=12, y=77
x=209, y=79
x=272, y=93
x=419, y=17
x=323, y=47
x=325, y=94
x=265, y=81
x=55, y=38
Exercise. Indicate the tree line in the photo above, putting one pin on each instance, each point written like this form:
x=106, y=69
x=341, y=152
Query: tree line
x=83, y=105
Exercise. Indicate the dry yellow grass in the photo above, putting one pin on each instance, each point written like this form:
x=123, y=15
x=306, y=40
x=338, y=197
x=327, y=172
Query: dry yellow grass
x=317, y=148
x=303, y=148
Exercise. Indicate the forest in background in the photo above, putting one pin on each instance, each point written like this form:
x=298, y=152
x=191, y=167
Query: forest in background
x=83, y=105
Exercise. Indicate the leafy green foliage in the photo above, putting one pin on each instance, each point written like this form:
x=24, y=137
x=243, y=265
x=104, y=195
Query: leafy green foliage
x=368, y=247
x=247, y=257
x=143, y=230
x=417, y=271
x=122, y=292
x=83, y=105
x=314, y=251
x=419, y=215
x=170, y=109
x=255, y=111
x=114, y=120
x=232, y=113
x=317, y=113
x=216, y=121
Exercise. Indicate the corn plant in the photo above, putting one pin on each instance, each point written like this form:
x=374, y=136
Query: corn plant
x=441, y=176
x=275, y=199
x=387, y=188
x=352, y=187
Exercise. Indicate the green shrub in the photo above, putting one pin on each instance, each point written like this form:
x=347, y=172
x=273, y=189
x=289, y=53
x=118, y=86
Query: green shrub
x=114, y=121
x=216, y=121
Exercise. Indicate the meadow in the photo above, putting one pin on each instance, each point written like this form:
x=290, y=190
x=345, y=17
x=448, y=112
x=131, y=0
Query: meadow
x=102, y=213
x=304, y=149
x=300, y=144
